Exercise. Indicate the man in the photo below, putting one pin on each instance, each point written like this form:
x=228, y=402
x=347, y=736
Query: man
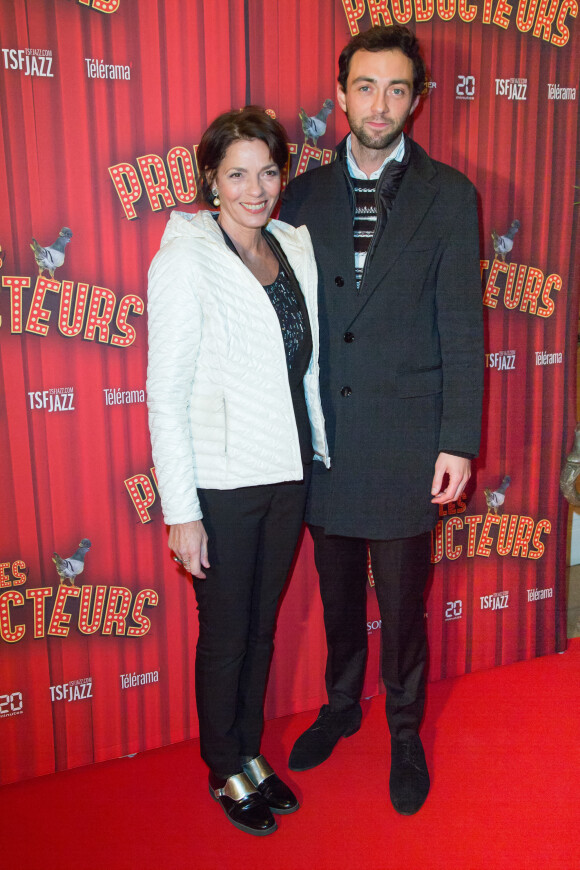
x=401, y=357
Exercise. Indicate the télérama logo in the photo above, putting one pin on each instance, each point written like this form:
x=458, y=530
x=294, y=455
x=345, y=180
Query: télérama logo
x=557, y=92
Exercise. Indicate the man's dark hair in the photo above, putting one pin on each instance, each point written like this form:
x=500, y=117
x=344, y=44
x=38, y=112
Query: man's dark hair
x=251, y=122
x=385, y=39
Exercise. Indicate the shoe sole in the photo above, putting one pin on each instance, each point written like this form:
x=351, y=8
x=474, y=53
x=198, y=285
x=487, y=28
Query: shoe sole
x=348, y=733
x=239, y=825
x=275, y=811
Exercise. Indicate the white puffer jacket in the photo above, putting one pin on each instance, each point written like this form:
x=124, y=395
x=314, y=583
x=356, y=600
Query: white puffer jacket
x=220, y=409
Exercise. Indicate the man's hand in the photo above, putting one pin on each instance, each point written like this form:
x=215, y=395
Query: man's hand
x=458, y=471
x=189, y=543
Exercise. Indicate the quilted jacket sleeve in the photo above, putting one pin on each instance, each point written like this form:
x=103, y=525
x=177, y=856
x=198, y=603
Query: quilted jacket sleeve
x=174, y=324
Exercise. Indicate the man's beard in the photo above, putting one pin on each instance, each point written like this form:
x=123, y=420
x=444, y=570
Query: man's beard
x=379, y=142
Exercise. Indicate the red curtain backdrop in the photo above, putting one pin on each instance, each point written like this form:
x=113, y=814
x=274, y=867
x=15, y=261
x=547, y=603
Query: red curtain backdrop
x=103, y=103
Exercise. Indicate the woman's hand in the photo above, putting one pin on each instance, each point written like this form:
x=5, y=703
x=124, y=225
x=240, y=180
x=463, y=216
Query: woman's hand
x=189, y=543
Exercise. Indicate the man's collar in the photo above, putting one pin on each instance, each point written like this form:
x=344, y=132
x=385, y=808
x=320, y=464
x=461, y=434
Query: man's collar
x=353, y=168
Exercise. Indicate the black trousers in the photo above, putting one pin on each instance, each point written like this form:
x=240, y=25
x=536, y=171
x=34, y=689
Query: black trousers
x=401, y=569
x=252, y=535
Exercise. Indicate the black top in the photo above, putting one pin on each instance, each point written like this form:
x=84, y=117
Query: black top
x=283, y=298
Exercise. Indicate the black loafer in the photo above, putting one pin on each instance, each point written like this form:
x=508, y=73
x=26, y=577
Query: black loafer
x=276, y=793
x=316, y=744
x=409, y=780
x=243, y=805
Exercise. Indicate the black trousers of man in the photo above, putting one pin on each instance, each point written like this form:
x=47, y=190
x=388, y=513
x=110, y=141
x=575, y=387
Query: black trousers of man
x=400, y=569
x=252, y=534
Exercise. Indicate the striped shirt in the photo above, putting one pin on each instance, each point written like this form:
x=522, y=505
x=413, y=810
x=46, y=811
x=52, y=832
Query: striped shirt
x=365, y=209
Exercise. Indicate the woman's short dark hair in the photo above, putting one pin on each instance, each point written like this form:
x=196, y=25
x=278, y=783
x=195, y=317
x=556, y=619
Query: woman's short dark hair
x=384, y=39
x=251, y=122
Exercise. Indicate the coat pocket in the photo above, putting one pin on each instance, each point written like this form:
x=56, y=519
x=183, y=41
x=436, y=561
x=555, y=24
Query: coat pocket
x=420, y=383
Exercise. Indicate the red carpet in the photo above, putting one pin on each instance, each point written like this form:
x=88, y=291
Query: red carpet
x=504, y=751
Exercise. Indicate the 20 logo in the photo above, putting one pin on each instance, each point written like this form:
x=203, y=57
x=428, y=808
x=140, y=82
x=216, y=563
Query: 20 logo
x=454, y=609
x=465, y=87
x=10, y=705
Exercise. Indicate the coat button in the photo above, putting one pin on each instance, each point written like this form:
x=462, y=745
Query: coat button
x=339, y=281
x=346, y=391
x=348, y=337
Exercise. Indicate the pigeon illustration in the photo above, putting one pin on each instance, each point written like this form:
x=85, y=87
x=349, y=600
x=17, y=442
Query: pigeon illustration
x=502, y=245
x=52, y=257
x=496, y=498
x=70, y=568
x=315, y=127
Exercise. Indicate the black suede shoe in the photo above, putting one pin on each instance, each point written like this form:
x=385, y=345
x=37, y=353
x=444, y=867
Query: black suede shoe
x=409, y=779
x=242, y=804
x=277, y=795
x=316, y=744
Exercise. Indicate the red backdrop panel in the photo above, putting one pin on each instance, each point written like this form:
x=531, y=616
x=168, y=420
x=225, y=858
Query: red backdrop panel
x=102, y=105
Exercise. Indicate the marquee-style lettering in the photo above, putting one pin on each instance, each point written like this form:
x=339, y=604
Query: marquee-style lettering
x=182, y=174
x=525, y=288
x=100, y=314
x=518, y=536
x=525, y=19
x=8, y=632
x=38, y=595
x=491, y=289
x=38, y=316
x=487, y=11
x=88, y=625
x=446, y=9
x=452, y=551
x=402, y=11
x=128, y=333
x=547, y=12
x=354, y=9
x=379, y=9
x=16, y=285
x=117, y=610
x=472, y=521
x=505, y=535
x=145, y=596
x=78, y=310
x=128, y=187
x=543, y=526
x=59, y=616
x=485, y=542
x=553, y=282
x=142, y=495
x=467, y=12
x=502, y=13
x=71, y=316
x=4, y=580
x=568, y=6
x=307, y=152
x=513, y=292
x=532, y=289
x=424, y=9
x=523, y=536
x=157, y=186
x=107, y=6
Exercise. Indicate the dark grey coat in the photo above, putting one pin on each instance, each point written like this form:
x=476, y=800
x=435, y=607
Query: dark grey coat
x=402, y=360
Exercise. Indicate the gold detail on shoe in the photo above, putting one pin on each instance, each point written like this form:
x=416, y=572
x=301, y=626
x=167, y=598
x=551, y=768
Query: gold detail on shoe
x=258, y=769
x=237, y=787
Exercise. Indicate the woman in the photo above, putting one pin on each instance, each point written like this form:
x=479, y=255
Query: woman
x=235, y=419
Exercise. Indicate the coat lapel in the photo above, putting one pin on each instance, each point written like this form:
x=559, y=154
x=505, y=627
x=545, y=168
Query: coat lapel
x=417, y=191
